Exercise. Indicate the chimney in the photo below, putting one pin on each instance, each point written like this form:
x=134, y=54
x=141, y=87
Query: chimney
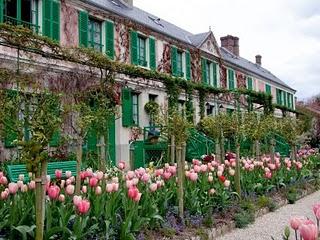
x=129, y=3
x=231, y=43
x=258, y=60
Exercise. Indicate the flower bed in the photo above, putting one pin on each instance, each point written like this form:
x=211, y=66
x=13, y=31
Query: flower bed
x=124, y=204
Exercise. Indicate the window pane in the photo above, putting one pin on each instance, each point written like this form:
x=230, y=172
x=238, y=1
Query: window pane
x=26, y=11
x=94, y=34
x=11, y=8
x=179, y=63
x=142, y=51
x=208, y=65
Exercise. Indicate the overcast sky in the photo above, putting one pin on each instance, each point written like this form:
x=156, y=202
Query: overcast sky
x=285, y=32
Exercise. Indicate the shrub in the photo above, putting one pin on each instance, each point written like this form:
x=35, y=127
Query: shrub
x=244, y=218
x=292, y=195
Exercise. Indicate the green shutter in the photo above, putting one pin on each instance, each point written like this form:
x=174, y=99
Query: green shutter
x=152, y=53
x=55, y=20
x=203, y=71
x=268, y=89
x=174, y=67
x=83, y=28
x=249, y=83
x=46, y=12
x=288, y=99
x=292, y=99
x=92, y=139
x=231, y=79
x=284, y=98
x=215, y=74
x=1, y=10
x=134, y=47
x=109, y=39
x=278, y=96
x=188, y=65
x=127, y=119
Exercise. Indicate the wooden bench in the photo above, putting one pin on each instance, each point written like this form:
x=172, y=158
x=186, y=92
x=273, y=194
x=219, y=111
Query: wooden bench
x=13, y=171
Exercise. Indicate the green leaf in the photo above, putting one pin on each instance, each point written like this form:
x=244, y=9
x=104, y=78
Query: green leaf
x=24, y=230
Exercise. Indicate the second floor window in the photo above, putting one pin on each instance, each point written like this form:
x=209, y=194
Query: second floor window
x=249, y=83
x=94, y=34
x=180, y=64
x=231, y=79
x=142, y=51
x=209, y=72
x=21, y=12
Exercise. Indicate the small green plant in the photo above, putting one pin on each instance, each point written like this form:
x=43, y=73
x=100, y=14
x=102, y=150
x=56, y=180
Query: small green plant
x=247, y=206
x=152, y=108
x=244, y=218
x=292, y=195
x=263, y=201
x=208, y=221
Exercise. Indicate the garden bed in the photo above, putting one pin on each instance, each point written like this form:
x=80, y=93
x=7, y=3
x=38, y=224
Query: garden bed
x=224, y=222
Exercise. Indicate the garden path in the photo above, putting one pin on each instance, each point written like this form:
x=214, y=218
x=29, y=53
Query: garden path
x=273, y=223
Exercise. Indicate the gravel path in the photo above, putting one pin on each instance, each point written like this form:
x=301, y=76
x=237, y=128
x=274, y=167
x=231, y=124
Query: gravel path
x=273, y=224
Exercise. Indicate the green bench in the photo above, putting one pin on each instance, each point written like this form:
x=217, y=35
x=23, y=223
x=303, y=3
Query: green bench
x=13, y=171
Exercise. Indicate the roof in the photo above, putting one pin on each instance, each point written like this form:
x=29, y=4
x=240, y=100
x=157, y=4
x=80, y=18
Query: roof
x=252, y=67
x=159, y=25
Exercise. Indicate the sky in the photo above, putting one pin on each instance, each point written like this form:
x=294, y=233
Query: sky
x=285, y=32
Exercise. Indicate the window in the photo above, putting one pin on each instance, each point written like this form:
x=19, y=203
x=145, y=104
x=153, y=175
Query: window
x=249, y=83
x=208, y=72
x=179, y=64
x=135, y=109
x=210, y=109
x=231, y=80
x=94, y=34
x=21, y=12
x=142, y=51
x=279, y=97
x=268, y=89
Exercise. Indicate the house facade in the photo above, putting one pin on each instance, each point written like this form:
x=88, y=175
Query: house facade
x=130, y=35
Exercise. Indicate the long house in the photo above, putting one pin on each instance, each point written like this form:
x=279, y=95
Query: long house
x=130, y=35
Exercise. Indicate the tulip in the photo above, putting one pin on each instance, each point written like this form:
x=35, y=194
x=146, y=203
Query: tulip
x=232, y=172
x=153, y=187
x=166, y=175
x=145, y=177
x=204, y=168
x=72, y=179
x=173, y=170
x=53, y=192
x=1, y=174
x=109, y=188
x=32, y=184
x=83, y=206
x=61, y=198
x=88, y=172
x=130, y=175
x=135, y=181
x=68, y=181
x=100, y=175
x=226, y=183
x=210, y=178
x=84, y=189
x=68, y=174
x=20, y=184
x=129, y=183
x=115, y=187
x=24, y=188
x=308, y=231
x=3, y=180
x=58, y=174
x=159, y=172
x=212, y=191
x=93, y=182
x=13, y=188
x=21, y=177
x=122, y=165
x=193, y=176
x=197, y=168
x=295, y=222
x=98, y=190
x=76, y=200
x=268, y=175
x=222, y=179
x=70, y=189
x=195, y=162
x=138, y=197
x=134, y=194
x=4, y=194
x=219, y=173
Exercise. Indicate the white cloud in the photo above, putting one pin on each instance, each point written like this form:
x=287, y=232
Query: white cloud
x=286, y=33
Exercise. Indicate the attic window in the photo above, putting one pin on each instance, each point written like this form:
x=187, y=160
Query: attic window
x=115, y=3
x=156, y=21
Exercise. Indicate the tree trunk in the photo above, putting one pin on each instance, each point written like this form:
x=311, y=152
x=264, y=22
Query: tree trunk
x=102, y=153
x=180, y=181
x=272, y=143
x=222, y=150
x=294, y=152
x=237, y=175
x=172, y=151
x=257, y=146
x=218, y=151
x=79, y=161
x=41, y=180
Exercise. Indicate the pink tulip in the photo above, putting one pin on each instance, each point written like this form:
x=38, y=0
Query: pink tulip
x=295, y=222
x=100, y=175
x=315, y=208
x=134, y=194
x=13, y=188
x=53, y=192
x=204, y=168
x=98, y=190
x=93, y=182
x=115, y=187
x=3, y=180
x=61, y=198
x=122, y=165
x=135, y=181
x=58, y=174
x=130, y=175
x=76, y=200
x=1, y=174
x=68, y=181
x=196, y=162
x=84, y=189
x=145, y=177
x=193, y=176
x=20, y=184
x=268, y=175
x=70, y=189
x=68, y=174
x=109, y=188
x=129, y=183
x=308, y=231
x=138, y=197
x=153, y=187
x=197, y=168
x=173, y=170
x=4, y=194
x=89, y=172
x=83, y=206
x=62, y=183
x=226, y=183
x=159, y=172
x=32, y=185
x=219, y=173
x=166, y=175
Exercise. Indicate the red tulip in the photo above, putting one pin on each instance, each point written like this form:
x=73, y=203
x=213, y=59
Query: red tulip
x=222, y=178
x=53, y=192
x=58, y=174
x=83, y=206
